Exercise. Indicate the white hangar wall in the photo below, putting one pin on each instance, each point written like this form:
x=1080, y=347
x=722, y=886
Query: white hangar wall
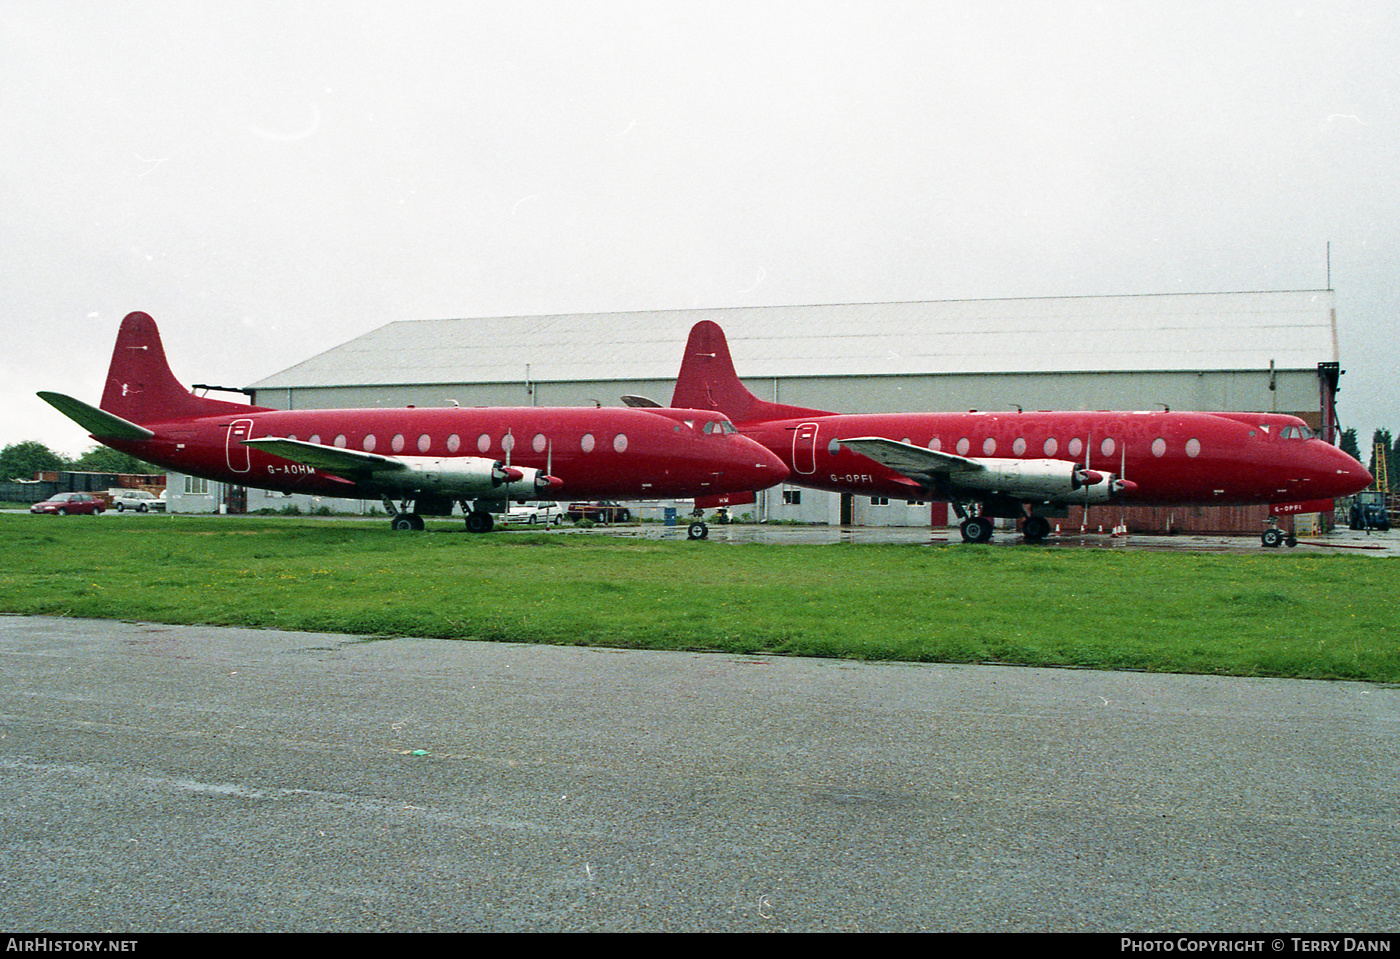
x=1218, y=351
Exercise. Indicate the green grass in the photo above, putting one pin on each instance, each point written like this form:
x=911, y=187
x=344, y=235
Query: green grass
x=1266, y=614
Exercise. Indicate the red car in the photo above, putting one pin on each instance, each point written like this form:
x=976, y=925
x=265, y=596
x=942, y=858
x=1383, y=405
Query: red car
x=605, y=511
x=61, y=504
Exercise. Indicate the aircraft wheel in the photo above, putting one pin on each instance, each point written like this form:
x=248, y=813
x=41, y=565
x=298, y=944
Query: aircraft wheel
x=405, y=521
x=480, y=521
x=697, y=531
x=1272, y=538
x=978, y=529
x=1037, y=528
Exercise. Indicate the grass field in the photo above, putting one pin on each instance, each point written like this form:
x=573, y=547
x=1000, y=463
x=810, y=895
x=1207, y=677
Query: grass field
x=1270, y=614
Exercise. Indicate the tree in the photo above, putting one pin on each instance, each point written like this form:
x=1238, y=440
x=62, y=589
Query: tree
x=23, y=459
x=1349, y=444
x=104, y=459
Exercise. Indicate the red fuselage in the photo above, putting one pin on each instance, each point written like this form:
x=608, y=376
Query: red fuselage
x=1178, y=458
x=609, y=452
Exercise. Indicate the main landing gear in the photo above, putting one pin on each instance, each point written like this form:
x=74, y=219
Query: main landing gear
x=402, y=518
x=978, y=528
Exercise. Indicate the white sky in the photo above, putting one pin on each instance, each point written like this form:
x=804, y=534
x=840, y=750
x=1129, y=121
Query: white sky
x=271, y=179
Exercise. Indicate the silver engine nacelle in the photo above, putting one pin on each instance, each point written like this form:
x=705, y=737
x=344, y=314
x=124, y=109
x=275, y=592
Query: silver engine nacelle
x=465, y=477
x=1046, y=480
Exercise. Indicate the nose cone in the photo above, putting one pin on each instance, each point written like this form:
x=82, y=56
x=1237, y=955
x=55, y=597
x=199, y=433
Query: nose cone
x=759, y=467
x=1342, y=475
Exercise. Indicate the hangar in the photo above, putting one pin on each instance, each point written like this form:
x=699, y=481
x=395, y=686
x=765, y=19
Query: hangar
x=1268, y=351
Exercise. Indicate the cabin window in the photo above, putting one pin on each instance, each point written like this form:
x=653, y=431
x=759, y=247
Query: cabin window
x=508, y=442
x=539, y=443
x=989, y=446
x=396, y=444
x=1193, y=447
x=833, y=447
x=964, y=445
x=1051, y=446
x=1019, y=447
x=483, y=443
x=1159, y=447
x=315, y=438
x=586, y=444
x=369, y=443
x=340, y=441
x=1107, y=447
x=454, y=443
x=1076, y=446
x=935, y=444
x=620, y=442
x=425, y=443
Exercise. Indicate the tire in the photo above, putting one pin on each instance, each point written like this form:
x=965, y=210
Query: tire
x=1037, y=528
x=479, y=521
x=141, y=508
x=978, y=529
x=121, y=507
x=1272, y=538
x=697, y=531
x=401, y=521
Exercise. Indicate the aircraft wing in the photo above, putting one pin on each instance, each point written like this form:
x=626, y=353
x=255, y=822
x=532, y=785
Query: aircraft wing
x=916, y=462
x=99, y=423
x=334, y=459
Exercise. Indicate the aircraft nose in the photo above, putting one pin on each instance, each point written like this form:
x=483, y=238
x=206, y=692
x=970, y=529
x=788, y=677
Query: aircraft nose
x=759, y=464
x=1346, y=475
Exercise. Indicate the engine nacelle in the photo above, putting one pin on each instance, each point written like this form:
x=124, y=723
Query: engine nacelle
x=465, y=477
x=1044, y=480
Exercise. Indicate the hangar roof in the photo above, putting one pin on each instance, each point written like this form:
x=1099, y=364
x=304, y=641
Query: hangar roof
x=1161, y=332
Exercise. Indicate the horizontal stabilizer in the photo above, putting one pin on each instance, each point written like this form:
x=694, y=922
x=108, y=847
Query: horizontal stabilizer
x=335, y=459
x=101, y=424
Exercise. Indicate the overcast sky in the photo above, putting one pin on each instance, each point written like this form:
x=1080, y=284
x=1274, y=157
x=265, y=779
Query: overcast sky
x=269, y=180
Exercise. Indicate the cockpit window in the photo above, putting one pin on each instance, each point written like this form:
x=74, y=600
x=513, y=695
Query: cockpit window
x=1296, y=433
x=720, y=426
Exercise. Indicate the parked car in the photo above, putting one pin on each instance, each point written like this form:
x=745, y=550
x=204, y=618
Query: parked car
x=142, y=501
x=61, y=504
x=533, y=514
x=603, y=511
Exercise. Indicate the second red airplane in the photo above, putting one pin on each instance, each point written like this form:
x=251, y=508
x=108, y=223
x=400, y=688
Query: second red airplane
x=1028, y=465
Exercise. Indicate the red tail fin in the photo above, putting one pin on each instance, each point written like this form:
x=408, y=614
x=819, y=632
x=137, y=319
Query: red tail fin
x=140, y=386
x=707, y=381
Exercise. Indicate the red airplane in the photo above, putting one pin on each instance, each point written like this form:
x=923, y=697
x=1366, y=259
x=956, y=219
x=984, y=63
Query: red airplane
x=430, y=457
x=1025, y=465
